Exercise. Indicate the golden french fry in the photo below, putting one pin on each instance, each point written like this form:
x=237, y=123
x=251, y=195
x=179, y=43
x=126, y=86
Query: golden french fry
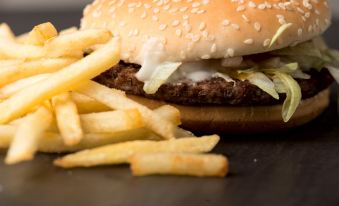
x=7, y=133
x=68, y=119
x=68, y=45
x=15, y=50
x=114, y=121
x=25, y=142
x=182, y=133
x=41, y=33
x=22, y=38
x=87, y=104
x=61, y=81
x=68, y=30
x=53, y=143
x=119, y=153
x=110, y=122
x=73, y=44
x=170, y=113
x=6, y=32
x=200, y=165
x=117, y=100
x=10, y=89
x=11, y=62
x=13, y=72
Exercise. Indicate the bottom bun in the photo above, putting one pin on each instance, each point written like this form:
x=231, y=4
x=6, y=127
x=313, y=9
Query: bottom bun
x=244, y=120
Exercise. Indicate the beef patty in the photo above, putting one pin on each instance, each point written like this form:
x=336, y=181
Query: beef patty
x=215, y=91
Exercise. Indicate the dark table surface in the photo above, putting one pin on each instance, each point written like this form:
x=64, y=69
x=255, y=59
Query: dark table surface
x=298, y=167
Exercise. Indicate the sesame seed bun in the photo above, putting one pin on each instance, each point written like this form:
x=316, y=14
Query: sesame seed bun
x=194, y=30
x=244, y=120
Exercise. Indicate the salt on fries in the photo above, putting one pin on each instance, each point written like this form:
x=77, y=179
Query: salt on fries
x=48, y=103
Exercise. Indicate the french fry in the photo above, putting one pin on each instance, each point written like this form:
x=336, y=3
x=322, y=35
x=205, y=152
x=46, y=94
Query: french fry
x=22, y=38
x=7, y=133
x=68, y=119
x=170, y=113
x=10, y=89
x=117, y=100
x=68, y=30
x=182, y=133
x=11, y=62
x=200, y=165
x=110, y=122
x=6, y=32
x=73, y=44
x=15, y=50
x=119, y=153
x=25, y=142
x=13, y=72
x=52, y=142
x=61, y=81
x=41, y=34
x=115, y=121
x=68, y=45
x=87, y=104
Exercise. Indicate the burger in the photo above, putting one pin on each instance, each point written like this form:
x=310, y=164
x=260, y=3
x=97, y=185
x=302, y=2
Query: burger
x=231, y=66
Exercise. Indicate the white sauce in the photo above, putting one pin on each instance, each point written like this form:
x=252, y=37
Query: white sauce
x=153, y=55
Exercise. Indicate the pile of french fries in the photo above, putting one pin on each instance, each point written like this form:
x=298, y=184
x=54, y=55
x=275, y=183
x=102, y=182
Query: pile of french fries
x=49, y=103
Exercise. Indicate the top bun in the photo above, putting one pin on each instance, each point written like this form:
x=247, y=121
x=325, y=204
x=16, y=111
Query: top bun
x=202, y=29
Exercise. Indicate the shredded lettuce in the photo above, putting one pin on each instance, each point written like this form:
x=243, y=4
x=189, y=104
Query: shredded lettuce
x=286, y=84
x=160, y=76
x=291, y=69
x=311, y=54
x=226, y=77
x=279, y=32
x=260, y=80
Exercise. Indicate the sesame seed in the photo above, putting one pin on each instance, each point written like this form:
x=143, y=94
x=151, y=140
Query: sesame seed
x=206, y=56
x=235, y=26
x=249, y=41
x=262, y=6
x=226, y=22
x=251, y=4
x=195, y=4
x=155, y=18
x=156, y=10
x=213, y=48
x=241, y=8
x=257, y=26
x=178, y=32
x=267, y=42
x=162, y=27
x=300, y=32
x=230, y=52
x=202, y=26
x=175, y=23
x=196, y=38
x=245, y=18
